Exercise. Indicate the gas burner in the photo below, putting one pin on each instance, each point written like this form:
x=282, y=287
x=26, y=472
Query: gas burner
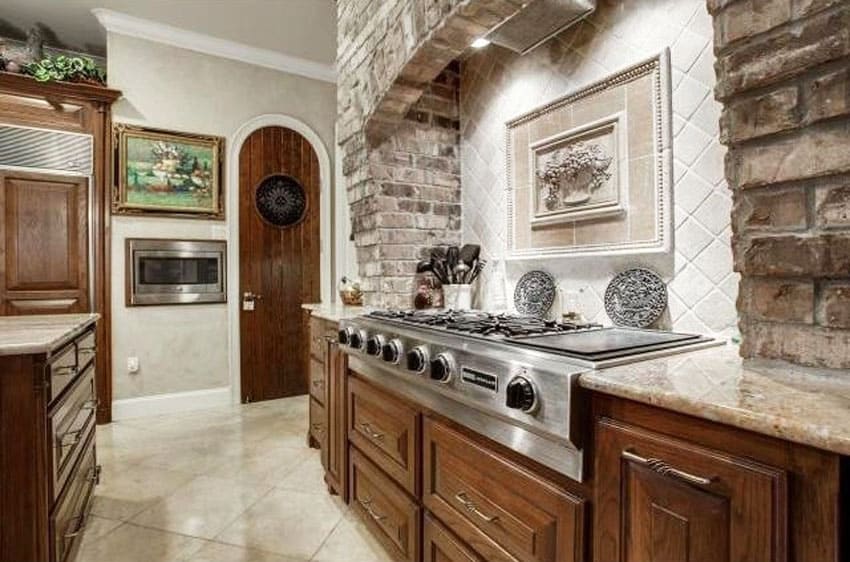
x=481, y=323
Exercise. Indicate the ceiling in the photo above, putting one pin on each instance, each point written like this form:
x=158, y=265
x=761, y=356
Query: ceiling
x=301, y=28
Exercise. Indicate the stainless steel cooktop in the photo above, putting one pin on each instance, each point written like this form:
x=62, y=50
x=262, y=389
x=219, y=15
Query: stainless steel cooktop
x=511, y=378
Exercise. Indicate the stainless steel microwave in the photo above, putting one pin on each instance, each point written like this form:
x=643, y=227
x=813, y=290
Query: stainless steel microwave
x=161, y=271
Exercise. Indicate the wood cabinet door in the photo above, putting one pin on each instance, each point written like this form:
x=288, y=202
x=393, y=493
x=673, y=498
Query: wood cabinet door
x=385, y=429
x=659, y=499
x=335, y=466
x=439, y=545
x=44, y=244
x=503, y=511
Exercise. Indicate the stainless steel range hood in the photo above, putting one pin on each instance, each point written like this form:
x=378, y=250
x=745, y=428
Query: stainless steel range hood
x=538, y=21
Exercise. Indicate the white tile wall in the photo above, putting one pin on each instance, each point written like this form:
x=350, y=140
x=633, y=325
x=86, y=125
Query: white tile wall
x=497, y=85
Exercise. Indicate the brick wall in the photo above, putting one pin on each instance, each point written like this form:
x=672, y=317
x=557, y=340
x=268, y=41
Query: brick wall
x=784, y=81
x=397, y=126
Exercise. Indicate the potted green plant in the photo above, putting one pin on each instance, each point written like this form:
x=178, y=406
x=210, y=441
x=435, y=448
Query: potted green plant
x=66, y=69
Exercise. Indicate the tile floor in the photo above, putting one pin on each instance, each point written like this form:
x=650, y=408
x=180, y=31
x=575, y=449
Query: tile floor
x=236, y=484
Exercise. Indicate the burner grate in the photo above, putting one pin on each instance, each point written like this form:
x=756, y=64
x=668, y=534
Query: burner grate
x=482, y=323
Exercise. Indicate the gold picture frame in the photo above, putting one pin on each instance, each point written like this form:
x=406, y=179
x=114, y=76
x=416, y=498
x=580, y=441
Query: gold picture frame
x=164, y=173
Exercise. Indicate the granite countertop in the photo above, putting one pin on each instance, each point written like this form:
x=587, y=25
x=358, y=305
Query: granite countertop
x=334, y=311
x=804, y=405
x=24, y=335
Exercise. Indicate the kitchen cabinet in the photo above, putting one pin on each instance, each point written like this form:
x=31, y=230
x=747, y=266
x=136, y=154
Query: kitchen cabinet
x=55, y=243
x=386, y=430
x=48, y=459
x=660, y=498
x=327, y=430
x=391, y=514
x=406, y=464
x=505, y=512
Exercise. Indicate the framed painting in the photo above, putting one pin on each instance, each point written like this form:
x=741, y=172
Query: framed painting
x=167, y=173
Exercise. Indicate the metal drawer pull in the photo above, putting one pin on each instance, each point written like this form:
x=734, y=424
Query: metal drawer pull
x=79, y=530
x=87, y=349
x=318, y=428
x=91, y=404
x=75, y=436
x=318, y=383
x=665, y=469
x=367, y=505
x=471, y=507
x=371, y=433
x=94, y=474
x=67, y=370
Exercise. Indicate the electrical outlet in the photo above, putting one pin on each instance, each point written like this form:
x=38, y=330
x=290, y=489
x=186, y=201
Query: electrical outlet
x=132, y=365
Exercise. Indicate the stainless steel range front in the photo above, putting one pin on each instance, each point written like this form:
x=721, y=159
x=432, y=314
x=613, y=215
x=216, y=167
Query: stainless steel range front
x=510, y=378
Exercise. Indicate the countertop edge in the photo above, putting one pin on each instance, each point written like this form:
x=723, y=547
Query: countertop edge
x=761, y=423
x=334, y=312
x=48, y=346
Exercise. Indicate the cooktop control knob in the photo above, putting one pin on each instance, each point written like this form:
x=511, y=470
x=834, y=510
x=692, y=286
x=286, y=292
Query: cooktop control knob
x=375, y=345
x=392, y=351
x=521, y=395
x=443, y=367
x=356, y=339
x=417, y=359
x=345, y=335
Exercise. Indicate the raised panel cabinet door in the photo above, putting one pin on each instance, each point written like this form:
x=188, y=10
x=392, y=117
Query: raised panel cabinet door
x=659, y=499
x=390, y=514
x=503, y=511
x=43, y=244
x=439, y=545
x=335, y=404
x=386, y=430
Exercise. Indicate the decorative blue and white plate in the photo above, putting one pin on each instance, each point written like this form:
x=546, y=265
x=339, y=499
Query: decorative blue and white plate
x=534, y=293
x=636, y=298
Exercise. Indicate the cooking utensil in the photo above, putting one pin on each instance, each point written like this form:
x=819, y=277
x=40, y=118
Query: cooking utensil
x=469, y=253
x=461, y=271
x=424, y=266
x=452, y=256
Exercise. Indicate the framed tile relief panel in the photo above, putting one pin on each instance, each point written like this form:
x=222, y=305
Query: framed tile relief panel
x=591, y=172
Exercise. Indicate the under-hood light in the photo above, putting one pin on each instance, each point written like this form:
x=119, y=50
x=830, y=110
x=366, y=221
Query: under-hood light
x=480, y=43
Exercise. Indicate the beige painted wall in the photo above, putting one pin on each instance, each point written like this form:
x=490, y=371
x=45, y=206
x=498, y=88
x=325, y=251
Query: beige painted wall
x=183, y=348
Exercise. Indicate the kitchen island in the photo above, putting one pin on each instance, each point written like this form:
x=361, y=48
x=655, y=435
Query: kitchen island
x=48, y=464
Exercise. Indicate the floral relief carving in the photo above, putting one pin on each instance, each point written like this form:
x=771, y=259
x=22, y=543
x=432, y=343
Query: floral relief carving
x=571, y=174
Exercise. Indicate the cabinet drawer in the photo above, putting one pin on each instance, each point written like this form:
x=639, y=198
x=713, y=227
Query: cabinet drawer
x=69, y=425
x=69, y=516
x=317, y=380
x=387, y=510
x=660, y=498
x=439, y=545
x=63, y=370
x=504, y=511
x=386, y=430
x=318, y=423
x=86, y=349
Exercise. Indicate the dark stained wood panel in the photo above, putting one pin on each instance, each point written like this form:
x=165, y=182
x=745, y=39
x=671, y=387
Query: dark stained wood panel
x=280, y=264
x=659, y=498
x=44, y=243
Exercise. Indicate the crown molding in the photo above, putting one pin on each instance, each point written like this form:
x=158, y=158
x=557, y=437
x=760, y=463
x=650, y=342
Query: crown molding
x=123, y=24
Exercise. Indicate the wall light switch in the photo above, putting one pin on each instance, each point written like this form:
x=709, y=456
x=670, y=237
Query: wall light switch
x=132, y=365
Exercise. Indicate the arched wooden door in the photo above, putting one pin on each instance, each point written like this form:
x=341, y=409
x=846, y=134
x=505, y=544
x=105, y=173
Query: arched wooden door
x=278, y=260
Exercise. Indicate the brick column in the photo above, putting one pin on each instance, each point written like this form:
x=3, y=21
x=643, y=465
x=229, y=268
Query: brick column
x=783, y=69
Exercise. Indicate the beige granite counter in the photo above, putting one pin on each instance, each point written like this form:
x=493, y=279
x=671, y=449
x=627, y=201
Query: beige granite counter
x=334, y=311
x=24, y=335
x=804, y=405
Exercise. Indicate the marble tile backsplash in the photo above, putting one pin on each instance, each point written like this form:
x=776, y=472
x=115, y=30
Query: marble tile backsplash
x=497, y=85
